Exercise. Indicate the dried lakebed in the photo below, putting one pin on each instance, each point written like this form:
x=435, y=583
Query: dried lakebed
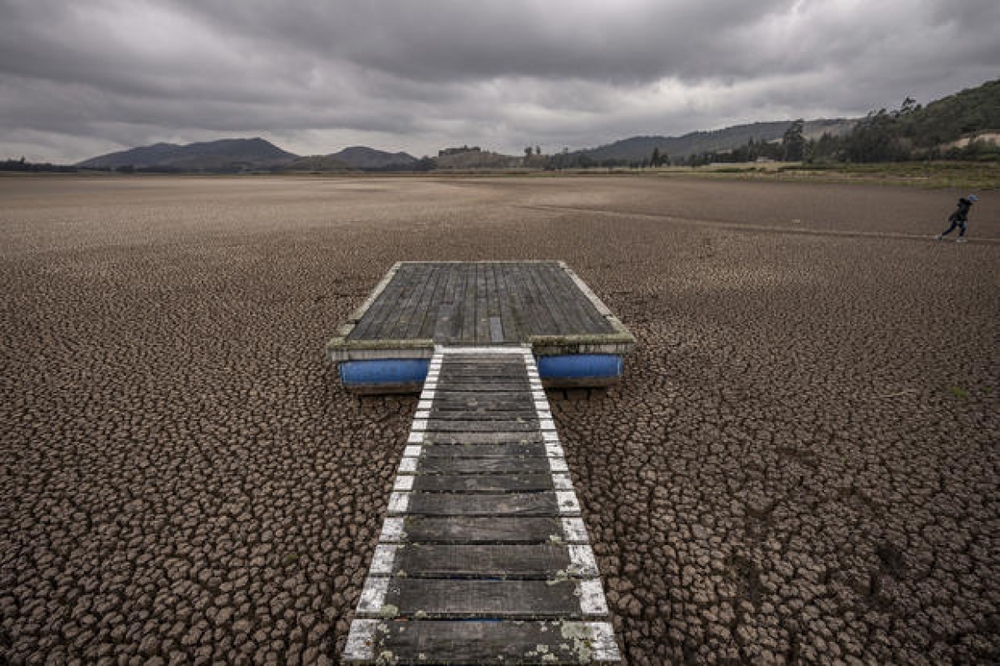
x=800, y=463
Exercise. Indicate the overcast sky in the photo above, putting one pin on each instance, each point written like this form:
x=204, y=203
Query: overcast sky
x=82, y=78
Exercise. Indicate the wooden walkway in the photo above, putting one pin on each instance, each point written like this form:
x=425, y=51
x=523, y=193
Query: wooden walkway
x=483, y=558
x=419, y=304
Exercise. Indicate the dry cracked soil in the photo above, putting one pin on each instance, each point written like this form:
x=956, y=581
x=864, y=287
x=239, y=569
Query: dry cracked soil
x=800, y=465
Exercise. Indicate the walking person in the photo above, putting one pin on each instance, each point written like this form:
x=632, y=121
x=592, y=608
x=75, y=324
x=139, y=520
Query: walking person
x=959, y=218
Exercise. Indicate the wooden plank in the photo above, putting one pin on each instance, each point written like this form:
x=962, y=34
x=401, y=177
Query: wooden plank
x=551, y=304
x=494, y=529
x=408, y=277
x=522, y=465
x=468, y=332
x=485, y=387
x=483, y=437
x=445, y=327
x=486, y=642
x=366, y=328
x=568, y=301
x=506, y=504
x=478, y=402
x=470, y=599
x=507, y=425
x=503, y=302
x=536, y=450
x=519, y=306
x=424, y=306
x=482, y=335
x=460, y=378
x=538, y=561
x=412, y=278
x=525, y=414
x=483, y=483
x=438, y=327
x=442, y=324
x=591, y=321
x=487, y=366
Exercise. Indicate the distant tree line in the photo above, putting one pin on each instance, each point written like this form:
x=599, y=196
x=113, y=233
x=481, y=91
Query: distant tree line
x=911, y=132
x=24, y=165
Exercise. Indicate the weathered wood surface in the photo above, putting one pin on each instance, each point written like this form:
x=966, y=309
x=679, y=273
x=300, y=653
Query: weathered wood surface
x=477, y=530
x=480, y=303
x=453, y=598
x=528, y=450
x=483, y=483
x=470, y=642
x=483, y=557
x=520, y=465
x=535, y=561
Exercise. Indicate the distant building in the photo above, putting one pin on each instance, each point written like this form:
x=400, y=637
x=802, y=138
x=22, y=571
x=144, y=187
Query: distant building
x=458, y=151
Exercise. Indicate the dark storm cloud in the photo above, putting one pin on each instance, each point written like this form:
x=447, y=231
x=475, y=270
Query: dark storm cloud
x=418, y=75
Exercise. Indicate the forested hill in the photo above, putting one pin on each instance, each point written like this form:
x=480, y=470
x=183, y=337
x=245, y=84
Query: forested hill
x=950, y=118
x=638, y=148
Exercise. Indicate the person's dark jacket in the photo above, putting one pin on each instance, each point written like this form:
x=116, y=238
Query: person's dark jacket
x=961, y=213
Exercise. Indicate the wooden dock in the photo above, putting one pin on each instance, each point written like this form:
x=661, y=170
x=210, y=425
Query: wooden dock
x=483, y=558
x=385, y=344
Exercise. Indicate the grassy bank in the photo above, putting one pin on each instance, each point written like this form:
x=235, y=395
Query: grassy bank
x=929, y=175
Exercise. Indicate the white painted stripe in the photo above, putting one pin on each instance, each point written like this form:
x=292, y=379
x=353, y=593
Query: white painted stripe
x=541, y=405
x=403, y=483
x=385, y=555
x=538, y=395
x=574, y=530
x=550, y=436
x=602, y=642
x=408, y=465
x=373, y=596
x=412, y=451
x=546, y=424
x=566, y=500
x=424, y=404
x=582, y=561
x=592, y=600
x=543, y=414
x=361, y=641
x=415, y=438
x=558, y=464
x=393, y=530
x=422, y=414
x=553, y=449
x=400, y=502
x=562, y=482
x=419, y=425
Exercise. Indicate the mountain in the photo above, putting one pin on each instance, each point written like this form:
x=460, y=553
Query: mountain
x=638, y=148
x=363, y=157
x=225, y=155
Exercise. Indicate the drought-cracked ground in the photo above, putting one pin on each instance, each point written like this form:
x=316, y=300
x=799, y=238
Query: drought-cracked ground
x=800, y=465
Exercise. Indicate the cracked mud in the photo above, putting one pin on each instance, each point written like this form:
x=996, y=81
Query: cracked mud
x=800, y=465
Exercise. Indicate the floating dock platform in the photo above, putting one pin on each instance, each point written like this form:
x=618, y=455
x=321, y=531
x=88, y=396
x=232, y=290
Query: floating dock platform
x=483, y=557
x=387, y=344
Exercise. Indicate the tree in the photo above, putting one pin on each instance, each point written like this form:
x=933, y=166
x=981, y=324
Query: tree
x=538, y=150
x=527, y=151
x=792, y=143
x=654, y=160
